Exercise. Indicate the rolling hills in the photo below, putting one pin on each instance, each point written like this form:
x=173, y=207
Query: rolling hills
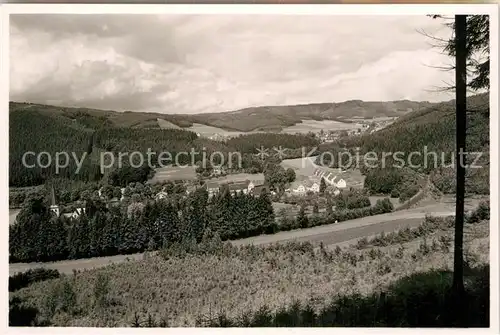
x=432, y=130
x=264, y=118
x=37, y=128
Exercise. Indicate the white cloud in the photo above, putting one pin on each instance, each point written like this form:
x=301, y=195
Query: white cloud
x=218, y=63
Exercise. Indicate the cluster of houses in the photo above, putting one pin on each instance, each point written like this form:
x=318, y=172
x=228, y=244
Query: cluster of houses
x=213, y=187
x=330, y=178
x=255, y=188
x=313, y=184
x=252, y=187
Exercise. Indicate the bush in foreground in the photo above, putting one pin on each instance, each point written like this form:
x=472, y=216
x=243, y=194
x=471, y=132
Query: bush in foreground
x=23, y=279
x=419, y=300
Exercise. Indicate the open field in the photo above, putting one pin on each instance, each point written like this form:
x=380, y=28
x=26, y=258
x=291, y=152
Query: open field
x=173, y=173
x=207, y=131
x=178, y=290
x=375, y=119
x=304, y=169
x=303, y=166
x=164, y=124
x=238, y=177
x=316, y=126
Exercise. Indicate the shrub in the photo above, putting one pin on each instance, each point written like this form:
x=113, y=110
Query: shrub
x=383, y=206
x=482, y=212
x=419, y=300
x=24, y=279
x=101, y=290
x=21, y=315
x=408, y=192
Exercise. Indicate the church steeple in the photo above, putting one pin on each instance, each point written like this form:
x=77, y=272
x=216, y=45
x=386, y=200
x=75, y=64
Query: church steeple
x=53, y=197
x=54, y=207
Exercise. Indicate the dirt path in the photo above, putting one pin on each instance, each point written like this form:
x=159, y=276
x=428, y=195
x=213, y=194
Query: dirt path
x=332, y=234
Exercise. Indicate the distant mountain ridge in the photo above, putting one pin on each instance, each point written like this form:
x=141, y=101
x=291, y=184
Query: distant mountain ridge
x=263, y=118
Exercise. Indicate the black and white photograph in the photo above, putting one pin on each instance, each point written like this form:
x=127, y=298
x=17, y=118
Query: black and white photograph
x=326, y=168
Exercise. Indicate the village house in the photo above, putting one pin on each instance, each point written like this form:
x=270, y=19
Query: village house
x=331, y=178
x=161, y=195
x=112, y=202
x=212, y=188
x=314, y=187
x=239, y=187
x=258, y=190
x=122, y=197
x=341, y=183
x=302, y=187
x=75, y=214
x=191, y=189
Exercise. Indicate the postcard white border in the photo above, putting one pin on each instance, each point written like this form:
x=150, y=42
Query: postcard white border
x=340, y=9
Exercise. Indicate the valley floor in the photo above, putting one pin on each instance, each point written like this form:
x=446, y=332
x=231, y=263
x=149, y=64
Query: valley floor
x=328, y=234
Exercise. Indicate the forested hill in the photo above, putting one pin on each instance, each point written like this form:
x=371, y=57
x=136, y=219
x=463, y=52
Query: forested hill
x=432, y=129
x=38, y=130
x=264, y=118
x=33, y=130
x=43, y=128
x=273, y=118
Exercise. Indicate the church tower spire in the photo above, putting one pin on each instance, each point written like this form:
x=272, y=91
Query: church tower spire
x=54, y=207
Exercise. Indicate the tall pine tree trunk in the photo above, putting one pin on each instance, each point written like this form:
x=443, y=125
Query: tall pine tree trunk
x=461, y=91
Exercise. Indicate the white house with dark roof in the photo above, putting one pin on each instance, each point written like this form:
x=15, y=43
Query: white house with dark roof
x=331, y=178
x=341, y=183
x=302, y=187
x=161, y=195
x=75, y=214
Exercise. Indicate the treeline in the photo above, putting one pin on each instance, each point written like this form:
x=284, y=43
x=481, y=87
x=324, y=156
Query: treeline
x=287, y=222
x=399, y=183
x=39, y=236
x=351, y=200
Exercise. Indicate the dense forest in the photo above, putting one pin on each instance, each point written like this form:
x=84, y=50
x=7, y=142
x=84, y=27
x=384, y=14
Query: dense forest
x=39, y=236
x=32, y=131
x=141, y=224
x=88, y=133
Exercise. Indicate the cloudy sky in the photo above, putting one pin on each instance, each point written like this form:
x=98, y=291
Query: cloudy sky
x=197, y=64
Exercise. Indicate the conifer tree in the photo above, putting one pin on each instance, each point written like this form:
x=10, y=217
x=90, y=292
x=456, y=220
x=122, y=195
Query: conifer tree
x=302, y=219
